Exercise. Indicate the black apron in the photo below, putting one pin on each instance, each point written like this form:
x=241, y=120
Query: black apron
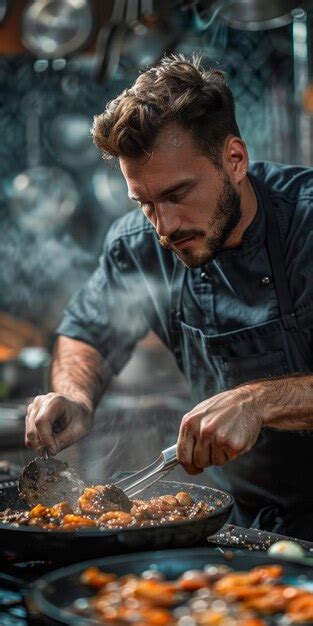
x=272, y=483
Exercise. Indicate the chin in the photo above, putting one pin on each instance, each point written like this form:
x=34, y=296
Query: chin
x=193, y=261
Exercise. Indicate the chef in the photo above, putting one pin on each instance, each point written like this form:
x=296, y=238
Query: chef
x=217, y=259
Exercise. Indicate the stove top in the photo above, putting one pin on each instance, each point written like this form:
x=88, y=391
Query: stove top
x=16, y=577
x=17, y=609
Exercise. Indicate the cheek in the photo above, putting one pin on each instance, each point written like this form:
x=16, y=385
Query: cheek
x=201, y=216
x=202, y=206
x=203, y=213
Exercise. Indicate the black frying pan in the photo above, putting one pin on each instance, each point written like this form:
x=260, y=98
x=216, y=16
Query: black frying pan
x=29, y=542
x=55, y=592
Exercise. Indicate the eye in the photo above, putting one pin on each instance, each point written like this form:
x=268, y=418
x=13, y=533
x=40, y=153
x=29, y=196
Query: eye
x=177, y=197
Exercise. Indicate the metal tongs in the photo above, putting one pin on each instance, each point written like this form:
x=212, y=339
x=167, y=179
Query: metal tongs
x=141, y=480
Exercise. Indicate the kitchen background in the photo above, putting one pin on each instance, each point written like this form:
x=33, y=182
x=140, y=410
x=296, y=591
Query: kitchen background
x=60, y=62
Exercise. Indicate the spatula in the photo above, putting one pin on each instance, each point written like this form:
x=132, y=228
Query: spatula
x=47, y=481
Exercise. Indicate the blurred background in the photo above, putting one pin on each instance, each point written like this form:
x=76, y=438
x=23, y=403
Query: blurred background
x=60, y=62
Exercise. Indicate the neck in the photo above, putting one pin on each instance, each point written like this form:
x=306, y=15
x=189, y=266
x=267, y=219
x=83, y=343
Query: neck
x=249, y=205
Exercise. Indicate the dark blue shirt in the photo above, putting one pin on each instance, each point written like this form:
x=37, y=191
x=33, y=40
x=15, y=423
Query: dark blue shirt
x=129, y=293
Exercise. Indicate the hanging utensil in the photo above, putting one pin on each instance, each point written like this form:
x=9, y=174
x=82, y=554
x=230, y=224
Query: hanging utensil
x=56, y=29
x=257, y=14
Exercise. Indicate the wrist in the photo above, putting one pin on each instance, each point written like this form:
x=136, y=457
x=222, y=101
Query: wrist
x=81, y=400
x=85, y=405
x=262, y=405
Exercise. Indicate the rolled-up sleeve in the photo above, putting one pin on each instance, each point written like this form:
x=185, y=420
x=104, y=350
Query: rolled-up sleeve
x=106, y=312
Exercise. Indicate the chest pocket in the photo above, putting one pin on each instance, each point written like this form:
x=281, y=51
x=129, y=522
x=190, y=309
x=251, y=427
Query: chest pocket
x=238, y=370
x=213, y=364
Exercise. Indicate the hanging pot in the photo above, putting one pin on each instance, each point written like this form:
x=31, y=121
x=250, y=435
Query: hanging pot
x=257, y=14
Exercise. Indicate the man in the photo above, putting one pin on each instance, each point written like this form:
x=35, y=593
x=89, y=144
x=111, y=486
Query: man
x=229, y=291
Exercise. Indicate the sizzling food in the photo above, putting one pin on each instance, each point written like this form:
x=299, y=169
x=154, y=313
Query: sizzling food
x=214, y=596
x=108, y=507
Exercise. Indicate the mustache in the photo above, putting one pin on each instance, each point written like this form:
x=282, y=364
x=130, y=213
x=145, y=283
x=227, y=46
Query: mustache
x=179, y=236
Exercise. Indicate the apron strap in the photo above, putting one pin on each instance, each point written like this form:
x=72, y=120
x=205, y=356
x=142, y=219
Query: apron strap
x=177, y=285
x=276, y=257
x=274, y=247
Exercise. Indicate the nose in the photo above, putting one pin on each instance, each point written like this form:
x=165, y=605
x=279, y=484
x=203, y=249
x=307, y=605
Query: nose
x=167, y=220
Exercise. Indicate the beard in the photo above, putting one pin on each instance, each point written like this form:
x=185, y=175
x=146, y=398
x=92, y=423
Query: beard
x=226, y=217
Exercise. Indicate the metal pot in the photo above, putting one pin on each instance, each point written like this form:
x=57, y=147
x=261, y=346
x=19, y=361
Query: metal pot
x=257, y=14
x=56, y=29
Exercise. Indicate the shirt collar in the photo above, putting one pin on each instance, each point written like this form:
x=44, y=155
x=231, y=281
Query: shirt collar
x=254, y=235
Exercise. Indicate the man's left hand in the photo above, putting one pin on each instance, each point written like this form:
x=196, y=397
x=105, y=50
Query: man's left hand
x=219, y=430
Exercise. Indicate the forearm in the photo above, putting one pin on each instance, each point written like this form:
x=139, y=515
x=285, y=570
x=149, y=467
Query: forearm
x=285, y=403
x=79, y=372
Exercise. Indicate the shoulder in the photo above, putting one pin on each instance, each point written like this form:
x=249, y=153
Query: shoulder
x=291, y=183
x=131, y=234
x=133, y=242
x=291, y=190
x=131, y=228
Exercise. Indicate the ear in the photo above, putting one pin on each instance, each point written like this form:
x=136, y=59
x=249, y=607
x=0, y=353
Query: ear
x=236, y=158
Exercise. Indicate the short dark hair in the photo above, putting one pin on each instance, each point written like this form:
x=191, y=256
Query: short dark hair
x=176, y=90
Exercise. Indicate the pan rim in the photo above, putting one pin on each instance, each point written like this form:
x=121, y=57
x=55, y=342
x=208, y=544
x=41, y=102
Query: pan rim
x=107, y=532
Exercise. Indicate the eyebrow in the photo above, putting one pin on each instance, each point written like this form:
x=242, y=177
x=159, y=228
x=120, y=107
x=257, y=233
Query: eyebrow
x=169, y=190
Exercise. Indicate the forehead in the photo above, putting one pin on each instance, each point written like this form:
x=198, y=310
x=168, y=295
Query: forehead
x=174, y=156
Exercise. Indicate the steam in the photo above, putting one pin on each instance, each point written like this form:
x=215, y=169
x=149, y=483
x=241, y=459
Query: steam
x=137, y=418
x=141, y=412
x=39, y=273
x=128, y=437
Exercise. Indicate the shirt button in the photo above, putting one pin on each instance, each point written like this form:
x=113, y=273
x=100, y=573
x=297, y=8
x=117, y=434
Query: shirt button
x=265, y=280
x=204, y=276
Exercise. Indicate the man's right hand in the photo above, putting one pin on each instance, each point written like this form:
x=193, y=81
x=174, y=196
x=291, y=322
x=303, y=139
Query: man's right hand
x=54, y=422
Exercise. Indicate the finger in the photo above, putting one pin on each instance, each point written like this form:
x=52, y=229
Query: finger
x=185, y=454
x=188, y=432
x=184, y=451
x=30, y=444
x=31, y=435
x=64, y=438
x=219, y=457
x=71, y=427
x=36, y=402
x=50, y=413
x=192, y=470
x=230, y=454
x=202, y=454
